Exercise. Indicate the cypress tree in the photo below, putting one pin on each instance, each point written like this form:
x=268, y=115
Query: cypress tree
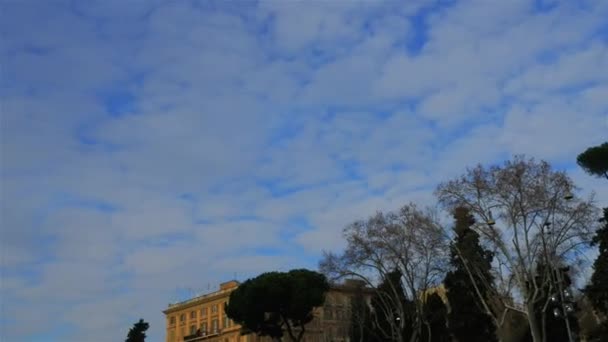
x=468, y=320
x=138, y=332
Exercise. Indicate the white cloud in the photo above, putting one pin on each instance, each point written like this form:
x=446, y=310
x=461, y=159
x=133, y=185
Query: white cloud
x=542, y=130
x=111, y=213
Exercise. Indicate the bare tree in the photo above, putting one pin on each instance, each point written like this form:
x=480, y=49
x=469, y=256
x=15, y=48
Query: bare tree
x=410, y=241
x=530, y=217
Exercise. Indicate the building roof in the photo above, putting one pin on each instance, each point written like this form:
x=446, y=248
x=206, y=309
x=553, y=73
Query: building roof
x=349, y=285
x=225, y=288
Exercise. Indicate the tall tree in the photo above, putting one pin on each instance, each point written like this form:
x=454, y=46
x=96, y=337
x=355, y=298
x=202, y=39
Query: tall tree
x=529, y=200
x=469, y=319
x=595, y=160
x=597, y=289
x=138, y=332
x=275, y=302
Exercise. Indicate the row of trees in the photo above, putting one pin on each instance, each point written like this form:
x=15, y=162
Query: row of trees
x=518, y=236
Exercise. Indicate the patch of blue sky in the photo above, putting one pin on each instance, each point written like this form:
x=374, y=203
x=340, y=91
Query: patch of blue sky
x=278, y=188
x=418, y=38
x=30, y=273
x=66, y=199
x=86, y=137
x=285, y=131
x=602, y=33
x=58, y=332
x=566, y=165
x=544, y=6
x=318, y=56
x=244, y=218
x=203, y=221
x=416, y=41
x=166, y=240
x=118, y=102
x=268, y=251
x=351, y=169
x=295, y=225
x=548, y=57
x=574, y=88
x=37, y=50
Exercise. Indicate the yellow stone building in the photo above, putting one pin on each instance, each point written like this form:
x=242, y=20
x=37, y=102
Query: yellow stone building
x=203, y=318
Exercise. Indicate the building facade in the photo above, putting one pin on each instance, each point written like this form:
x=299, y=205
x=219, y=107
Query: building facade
x=202, y=319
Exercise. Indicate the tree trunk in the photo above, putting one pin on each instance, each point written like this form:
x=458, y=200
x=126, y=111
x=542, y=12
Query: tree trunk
x=535, y=329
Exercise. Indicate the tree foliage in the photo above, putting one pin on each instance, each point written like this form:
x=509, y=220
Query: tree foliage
x=469, y=319
x=138, y=332
x=595, y=160
x=275, y=302
x=597, y=290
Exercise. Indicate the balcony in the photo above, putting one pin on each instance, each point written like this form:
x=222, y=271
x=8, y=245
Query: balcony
x=201, y=335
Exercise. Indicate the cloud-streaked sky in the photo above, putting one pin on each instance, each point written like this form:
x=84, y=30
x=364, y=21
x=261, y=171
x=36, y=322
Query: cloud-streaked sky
x=149, y=147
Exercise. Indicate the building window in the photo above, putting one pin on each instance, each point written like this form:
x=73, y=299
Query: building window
x=182, y=317
x=172, y=320
x=225, y=321
x=192, y=314
x=204, y=312
x=214, y=308
x=183, y=331
x=192, y=329
x=204, y=327
x=214, y=325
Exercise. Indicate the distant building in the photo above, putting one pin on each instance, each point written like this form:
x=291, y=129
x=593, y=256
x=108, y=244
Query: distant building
x=203, y=318
x=439, y=290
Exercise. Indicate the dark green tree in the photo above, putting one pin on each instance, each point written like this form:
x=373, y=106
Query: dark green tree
x=595, y=160
x=468, y=319
x=435, y=320
x=597, y=289
x=275, y=302
x=138, y=332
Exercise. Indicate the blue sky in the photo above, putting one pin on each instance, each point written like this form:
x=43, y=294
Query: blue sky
x=150, y=147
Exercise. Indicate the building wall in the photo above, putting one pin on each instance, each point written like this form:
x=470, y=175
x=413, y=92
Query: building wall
x=330, y=324
x=205, y=313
